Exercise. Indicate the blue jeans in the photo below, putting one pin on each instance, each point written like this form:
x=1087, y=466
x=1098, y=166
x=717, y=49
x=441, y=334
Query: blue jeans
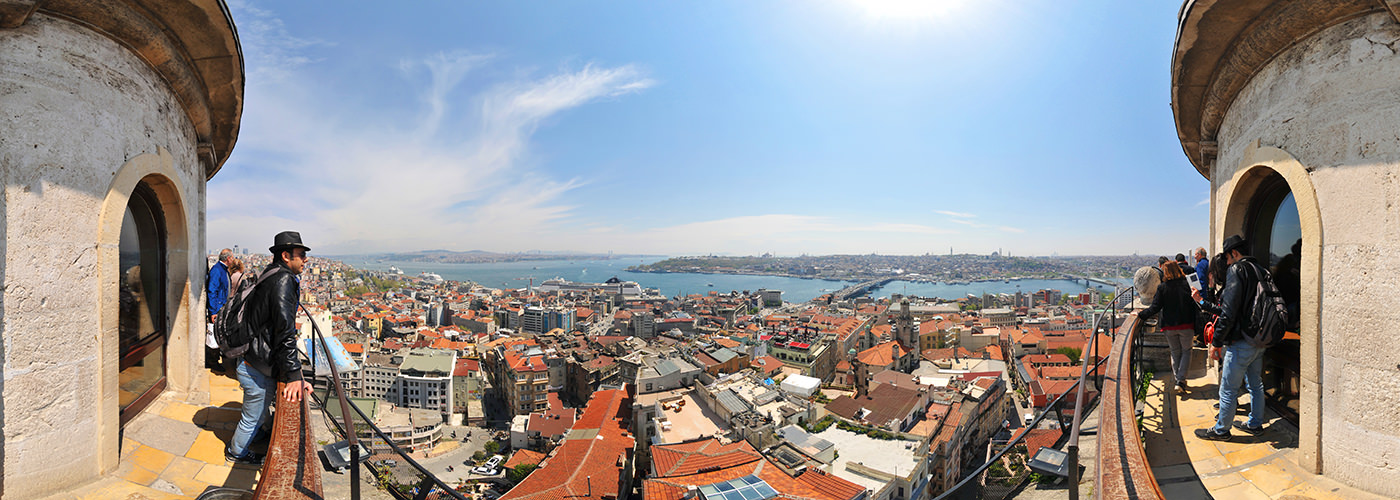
x=257, y=388
x=1241, y=363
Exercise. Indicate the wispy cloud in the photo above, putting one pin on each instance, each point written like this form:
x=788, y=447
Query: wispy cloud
x=354, y=176
x=960, y=215
x=1203, y=203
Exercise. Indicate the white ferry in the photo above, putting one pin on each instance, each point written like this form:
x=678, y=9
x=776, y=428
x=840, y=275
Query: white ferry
x=433, y=278
x=612, y=285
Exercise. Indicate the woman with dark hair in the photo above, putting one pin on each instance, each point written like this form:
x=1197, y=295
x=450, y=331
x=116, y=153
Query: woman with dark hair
x=1173, y=301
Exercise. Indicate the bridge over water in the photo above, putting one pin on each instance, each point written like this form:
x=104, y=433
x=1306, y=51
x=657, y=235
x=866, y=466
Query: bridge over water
x=859, y=289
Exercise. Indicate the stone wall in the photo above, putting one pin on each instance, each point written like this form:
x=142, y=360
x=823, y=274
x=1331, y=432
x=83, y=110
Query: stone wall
x=81, y=115
x=1332, y=102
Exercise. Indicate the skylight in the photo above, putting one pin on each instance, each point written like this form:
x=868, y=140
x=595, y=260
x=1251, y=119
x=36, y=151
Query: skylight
x=745, y=488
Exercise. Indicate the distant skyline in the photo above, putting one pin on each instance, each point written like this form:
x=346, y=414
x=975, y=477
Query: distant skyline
x=730, y=128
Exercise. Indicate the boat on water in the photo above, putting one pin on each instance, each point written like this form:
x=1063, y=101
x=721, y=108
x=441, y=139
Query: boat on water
x=433, y=278
x=395, y=270
x=612, y=285
x=711, y=285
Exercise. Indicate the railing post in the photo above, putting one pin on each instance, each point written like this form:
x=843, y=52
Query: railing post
x=350, y=434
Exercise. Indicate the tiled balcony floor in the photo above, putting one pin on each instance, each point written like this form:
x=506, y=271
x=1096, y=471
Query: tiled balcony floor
x=1246, y=467
x=176, y=450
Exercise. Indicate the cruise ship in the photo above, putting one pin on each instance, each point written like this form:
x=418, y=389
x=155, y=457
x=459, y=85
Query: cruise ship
x=433, y=278
x=612, y=285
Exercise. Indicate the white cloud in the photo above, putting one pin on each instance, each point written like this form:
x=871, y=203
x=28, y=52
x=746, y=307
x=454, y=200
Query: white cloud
x=353, y=175
x=1204, y=203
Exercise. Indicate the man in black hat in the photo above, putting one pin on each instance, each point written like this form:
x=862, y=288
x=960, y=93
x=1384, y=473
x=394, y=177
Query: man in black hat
x=272, y=354
x=1242, y=362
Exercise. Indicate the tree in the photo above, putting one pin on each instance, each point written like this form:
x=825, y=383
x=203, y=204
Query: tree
x=518, y=473
x=492, y=447
x=1073, y=353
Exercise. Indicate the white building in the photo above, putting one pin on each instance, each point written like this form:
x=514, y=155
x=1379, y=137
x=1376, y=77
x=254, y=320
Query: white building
x=425, y=379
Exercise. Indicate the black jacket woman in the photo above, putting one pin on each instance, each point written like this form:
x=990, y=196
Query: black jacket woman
x=1178, y=310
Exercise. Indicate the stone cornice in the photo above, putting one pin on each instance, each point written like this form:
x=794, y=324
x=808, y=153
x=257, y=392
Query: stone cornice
x=1222, y=44
x=191, y=44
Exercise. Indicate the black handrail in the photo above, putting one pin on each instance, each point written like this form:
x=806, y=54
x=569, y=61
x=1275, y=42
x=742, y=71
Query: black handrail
x=348, y=429
x=1078, y=386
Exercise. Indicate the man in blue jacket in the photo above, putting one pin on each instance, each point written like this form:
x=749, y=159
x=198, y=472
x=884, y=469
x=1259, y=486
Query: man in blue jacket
x=216, y=289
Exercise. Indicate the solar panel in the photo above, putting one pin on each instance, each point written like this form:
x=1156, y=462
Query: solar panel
x=745, y=488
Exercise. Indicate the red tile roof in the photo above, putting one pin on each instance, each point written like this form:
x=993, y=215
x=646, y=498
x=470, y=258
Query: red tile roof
x=689, y=458
x=588, y=465
x=523, y=457
x=881, y=354
x=812, y=484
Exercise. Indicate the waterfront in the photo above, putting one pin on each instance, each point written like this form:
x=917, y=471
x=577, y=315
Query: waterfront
x=518, y=275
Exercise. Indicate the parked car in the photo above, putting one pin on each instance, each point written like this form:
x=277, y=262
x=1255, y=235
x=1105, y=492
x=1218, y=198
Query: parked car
x=489, y=468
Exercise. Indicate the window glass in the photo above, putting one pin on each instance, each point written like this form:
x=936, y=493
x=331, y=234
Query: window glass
x=141, y=328
x=1275, y=233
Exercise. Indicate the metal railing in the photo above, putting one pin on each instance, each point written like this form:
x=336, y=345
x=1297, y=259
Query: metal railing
x=969, y=486
x=1121, y=470
x=349, y=427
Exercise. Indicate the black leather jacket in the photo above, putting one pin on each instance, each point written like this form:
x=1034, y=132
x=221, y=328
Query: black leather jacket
x=1234, y=299
x=1174, y=301
x=272, y=311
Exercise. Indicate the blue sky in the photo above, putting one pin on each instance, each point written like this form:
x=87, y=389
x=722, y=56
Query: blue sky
x=732, y=127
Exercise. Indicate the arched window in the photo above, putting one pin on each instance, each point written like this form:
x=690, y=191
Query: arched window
x=141, y=287
x=1276, y=234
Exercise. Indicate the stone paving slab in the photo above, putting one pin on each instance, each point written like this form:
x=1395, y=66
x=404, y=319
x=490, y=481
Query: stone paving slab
x=166, y=434
x=1248, y=466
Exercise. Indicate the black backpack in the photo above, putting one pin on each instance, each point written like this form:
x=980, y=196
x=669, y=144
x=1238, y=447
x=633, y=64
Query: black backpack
x=231, y=332
x=1268, y=314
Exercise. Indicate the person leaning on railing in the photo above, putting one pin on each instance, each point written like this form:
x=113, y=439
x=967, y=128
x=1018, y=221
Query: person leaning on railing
x=272, y=353
x=1173, y=300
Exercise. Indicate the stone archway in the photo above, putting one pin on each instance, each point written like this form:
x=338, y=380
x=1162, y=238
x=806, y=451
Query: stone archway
x=158, y=173
x=1259, y=163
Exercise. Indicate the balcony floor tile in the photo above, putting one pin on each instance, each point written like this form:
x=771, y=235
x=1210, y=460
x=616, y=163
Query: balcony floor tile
x=207, y=448
x=129, y=471
x=173, y=436
x=1271, y=477
x=1240, y=491
x=1249, y=454
x=150, y=458
x=1247, y=466
x=175, y=449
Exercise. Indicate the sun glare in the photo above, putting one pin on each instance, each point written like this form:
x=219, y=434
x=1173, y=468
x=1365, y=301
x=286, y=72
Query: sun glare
x=911, y=10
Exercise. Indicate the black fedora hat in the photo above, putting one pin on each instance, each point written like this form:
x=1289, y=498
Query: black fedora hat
x=1235, y=242
x=287, y=240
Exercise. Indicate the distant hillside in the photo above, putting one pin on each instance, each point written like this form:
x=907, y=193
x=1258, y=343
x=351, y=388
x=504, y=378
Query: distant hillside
x=480, y=256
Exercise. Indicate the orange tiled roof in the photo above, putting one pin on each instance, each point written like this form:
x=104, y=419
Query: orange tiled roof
x=585, y=467
x=881, y=354
x=726, y=342
x=689, y=458
x=520, y=457
x=812, y=484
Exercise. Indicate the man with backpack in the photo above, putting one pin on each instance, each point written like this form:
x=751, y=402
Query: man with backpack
x=1250, y=309
x=269, y=314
